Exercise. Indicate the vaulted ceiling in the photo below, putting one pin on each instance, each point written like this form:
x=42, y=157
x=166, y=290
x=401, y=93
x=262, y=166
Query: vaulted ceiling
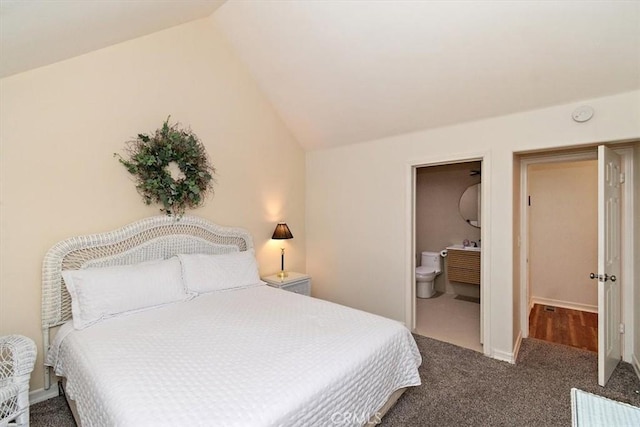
x=34, y=33
x=342, y=72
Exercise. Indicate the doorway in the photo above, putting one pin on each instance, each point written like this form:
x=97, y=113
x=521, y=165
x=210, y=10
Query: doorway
x=563, y=222
x=624, y=309
x=444, y=217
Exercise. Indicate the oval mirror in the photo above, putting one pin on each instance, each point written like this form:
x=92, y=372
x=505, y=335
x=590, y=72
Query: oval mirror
x=470, y=205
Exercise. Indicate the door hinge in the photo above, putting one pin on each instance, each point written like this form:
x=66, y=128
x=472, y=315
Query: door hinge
x=621, y=328
x=622, y=177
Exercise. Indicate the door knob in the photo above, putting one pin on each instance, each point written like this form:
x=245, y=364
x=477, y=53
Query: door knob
x=602, y=278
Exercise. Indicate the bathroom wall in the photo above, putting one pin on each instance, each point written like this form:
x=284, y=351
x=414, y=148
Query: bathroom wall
x=563, y=237
x=438, y=220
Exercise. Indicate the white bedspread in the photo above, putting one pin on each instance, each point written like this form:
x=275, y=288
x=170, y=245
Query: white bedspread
x=258, y=356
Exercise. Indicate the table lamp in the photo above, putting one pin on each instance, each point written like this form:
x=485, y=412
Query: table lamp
x=282, y=232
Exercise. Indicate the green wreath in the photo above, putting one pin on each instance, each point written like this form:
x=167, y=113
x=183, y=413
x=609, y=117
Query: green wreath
x=171, y=168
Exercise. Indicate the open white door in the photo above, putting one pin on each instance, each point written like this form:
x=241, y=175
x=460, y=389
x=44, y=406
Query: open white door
x=609, y=262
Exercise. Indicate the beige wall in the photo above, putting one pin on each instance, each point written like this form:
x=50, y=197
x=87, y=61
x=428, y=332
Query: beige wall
x=358, y=249
x=438, y=220
x=61, y=124
x=563, y=233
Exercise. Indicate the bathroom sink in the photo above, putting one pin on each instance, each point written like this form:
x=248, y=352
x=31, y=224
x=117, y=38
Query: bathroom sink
x=463, y=248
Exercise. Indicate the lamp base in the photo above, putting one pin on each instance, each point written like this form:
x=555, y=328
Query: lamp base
x=283, y=274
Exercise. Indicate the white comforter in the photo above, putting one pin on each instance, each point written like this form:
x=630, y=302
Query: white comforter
x=257, y=356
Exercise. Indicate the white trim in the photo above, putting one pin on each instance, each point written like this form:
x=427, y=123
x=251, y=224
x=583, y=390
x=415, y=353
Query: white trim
x=564, y=304
x=410, y=290
x=485, y=294
x=505, y=356
x=40, y=395
x=627, y=237
x=627, y=253
x=485, y=232
x=516, y=347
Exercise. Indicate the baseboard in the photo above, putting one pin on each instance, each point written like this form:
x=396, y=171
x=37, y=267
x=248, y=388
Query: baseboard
x=636, y=365
x=565, y=304
x=524, y=329
x=505, y=356
x=40, y=395
x=516, y=347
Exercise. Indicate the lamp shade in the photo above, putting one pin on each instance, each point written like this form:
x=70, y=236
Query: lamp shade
x=282, y=232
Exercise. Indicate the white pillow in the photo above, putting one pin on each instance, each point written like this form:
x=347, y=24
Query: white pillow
x=100, y=293
x=206, y=273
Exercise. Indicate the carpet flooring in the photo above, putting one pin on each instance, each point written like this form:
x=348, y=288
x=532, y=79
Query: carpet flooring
x=461, y=387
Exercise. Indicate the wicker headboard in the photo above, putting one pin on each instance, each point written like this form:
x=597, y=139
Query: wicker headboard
x=148, y=239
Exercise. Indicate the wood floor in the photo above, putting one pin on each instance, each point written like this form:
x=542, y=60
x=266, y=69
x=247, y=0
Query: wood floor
x=564, y=326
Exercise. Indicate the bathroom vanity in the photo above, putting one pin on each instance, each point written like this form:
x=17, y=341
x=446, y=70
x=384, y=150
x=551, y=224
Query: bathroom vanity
x=463, y=264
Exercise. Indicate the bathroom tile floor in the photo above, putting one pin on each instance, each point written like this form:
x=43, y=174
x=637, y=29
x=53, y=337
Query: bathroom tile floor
x=448, y=319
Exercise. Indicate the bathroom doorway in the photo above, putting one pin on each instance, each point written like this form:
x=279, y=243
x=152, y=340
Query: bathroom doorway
x=447, y=212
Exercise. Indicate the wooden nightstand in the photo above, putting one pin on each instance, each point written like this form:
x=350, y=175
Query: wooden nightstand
x=294, y=282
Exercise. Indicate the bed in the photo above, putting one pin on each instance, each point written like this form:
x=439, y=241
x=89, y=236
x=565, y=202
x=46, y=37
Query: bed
x=220, y=348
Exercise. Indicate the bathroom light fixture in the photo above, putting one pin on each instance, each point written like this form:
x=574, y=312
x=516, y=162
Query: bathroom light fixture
x=282, y=232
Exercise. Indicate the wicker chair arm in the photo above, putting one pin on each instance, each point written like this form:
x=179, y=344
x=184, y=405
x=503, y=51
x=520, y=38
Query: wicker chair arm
x=8, y=392
x=17, y=356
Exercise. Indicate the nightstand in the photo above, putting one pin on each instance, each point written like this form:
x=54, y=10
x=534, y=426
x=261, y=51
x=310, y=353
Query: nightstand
x=294, y=282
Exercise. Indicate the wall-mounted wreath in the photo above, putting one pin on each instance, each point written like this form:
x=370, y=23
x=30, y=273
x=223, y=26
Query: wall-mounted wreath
x=171, y=167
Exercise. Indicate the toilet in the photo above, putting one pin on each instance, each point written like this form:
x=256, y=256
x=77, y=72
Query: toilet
x=430, y=267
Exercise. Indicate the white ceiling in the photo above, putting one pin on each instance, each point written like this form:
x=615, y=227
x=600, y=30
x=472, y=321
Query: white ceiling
x=34, y=33
x=343, y=71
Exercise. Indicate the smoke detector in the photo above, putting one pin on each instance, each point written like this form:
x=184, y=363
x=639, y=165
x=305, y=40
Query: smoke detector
x=582, y=114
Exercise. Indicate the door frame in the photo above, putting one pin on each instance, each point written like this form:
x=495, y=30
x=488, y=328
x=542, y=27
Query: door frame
x=590, y=153
x=410, y=249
